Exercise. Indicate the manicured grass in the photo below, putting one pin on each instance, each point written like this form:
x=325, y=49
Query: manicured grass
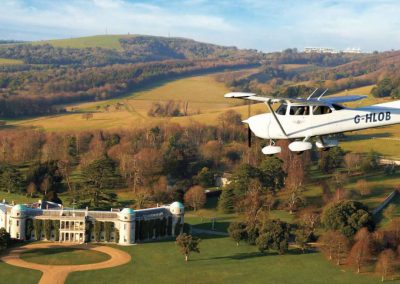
x=64, y=256
x=103, y=41
x=13, y=274
x=7, y=61
x=219, y=261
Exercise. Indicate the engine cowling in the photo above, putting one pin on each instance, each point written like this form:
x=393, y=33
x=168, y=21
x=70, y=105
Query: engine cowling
x=300, y=146
x=271, y=150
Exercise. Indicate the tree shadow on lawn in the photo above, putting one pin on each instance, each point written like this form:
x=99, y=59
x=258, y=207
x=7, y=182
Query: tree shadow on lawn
x=50, y=251
x=366, y=136
x=249, y=255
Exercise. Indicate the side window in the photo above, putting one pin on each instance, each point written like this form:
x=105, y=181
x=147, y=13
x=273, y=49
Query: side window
x=299, y=110
x=318, y=110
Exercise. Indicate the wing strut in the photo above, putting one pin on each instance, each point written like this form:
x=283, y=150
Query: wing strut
x=268, y=103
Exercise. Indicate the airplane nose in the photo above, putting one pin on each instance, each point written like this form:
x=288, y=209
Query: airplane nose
x=259, y=125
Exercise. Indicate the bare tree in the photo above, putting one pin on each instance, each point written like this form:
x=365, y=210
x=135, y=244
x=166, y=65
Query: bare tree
x=31, y=189
x=295, y=198
x=352, y=161
x=386, y=263
x=310, y=219
x=360, y=253
x=65, y=169
x=195, y=197
x=335, y=245
x=363, y=187
x=390, y=211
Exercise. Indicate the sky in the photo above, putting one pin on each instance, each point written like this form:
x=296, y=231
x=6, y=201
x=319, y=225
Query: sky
x=266, y=25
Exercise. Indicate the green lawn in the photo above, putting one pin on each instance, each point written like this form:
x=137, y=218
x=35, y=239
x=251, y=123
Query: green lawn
x=220, y=261
x=12, y=274
x=64, y=256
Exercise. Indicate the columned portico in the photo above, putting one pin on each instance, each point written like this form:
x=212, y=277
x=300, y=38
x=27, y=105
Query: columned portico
x=72, y=230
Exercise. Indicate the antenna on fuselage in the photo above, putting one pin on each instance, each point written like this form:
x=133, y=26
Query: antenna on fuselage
x=309, y=97
x=322, y=94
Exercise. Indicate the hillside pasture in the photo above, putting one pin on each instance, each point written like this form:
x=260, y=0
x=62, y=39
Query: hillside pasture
x=102, y=41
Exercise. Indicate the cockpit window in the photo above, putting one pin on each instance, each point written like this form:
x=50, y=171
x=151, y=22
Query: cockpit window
x=337, y=107
x=318, y=110
x=282, y=109
x=299, y=110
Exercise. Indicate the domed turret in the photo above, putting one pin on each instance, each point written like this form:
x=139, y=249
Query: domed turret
x=18, y=210
x=17, y=221
x=127, y=226
x=176, y=208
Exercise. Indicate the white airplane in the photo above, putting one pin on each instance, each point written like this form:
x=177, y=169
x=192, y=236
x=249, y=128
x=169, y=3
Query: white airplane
x=302, y=119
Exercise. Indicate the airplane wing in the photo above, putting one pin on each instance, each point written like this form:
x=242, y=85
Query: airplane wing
x=310, y=101
x=342, y=99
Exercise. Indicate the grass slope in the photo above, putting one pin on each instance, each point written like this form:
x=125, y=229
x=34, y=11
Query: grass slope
x=103, y=41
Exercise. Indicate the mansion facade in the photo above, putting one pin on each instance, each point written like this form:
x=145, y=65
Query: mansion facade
x=52, y=222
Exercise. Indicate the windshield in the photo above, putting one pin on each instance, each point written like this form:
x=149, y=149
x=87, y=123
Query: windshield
x=281, y=109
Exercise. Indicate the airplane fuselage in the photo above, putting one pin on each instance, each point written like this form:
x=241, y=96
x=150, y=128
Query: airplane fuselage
x=295, y=126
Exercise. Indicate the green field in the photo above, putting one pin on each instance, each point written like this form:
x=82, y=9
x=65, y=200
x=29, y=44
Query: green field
x=103, y=41
x=220, y=261
x=64, y=256
x=7, y=61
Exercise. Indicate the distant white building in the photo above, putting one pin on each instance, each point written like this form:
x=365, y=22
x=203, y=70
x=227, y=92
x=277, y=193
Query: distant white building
x=50, y=221
x=320, y=50
x=330, y=50
x=352, y=50
x=223, y=180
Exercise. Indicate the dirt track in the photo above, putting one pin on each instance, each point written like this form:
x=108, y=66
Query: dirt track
x=56, y=274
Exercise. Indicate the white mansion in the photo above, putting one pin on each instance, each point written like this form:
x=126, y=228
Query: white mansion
x=51, y=221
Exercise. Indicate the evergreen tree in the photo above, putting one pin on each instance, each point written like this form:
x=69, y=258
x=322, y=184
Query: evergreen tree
x=226, y=201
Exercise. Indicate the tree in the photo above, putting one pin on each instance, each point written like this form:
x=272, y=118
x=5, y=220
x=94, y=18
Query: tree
x=370, y=162
x=352, y=161
x=65, y=168
x=335, y=245
x=389, y=211
x=237, y=231
x=347, y=217
x=386, y=263
x=331, y=159
x=188, y=244
x=241, y=177
x=205, y=177
x=273, y=234
x=31, y=189
x=226, y=201
x=361, y=252
x=295, y=198
x=303, y=238
x=10, y=178
x=195, y=197
x=87, y=115
x=363, y=187
x=4, y=239
x=309, y=218
x=272, y=174
x=100, y=174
